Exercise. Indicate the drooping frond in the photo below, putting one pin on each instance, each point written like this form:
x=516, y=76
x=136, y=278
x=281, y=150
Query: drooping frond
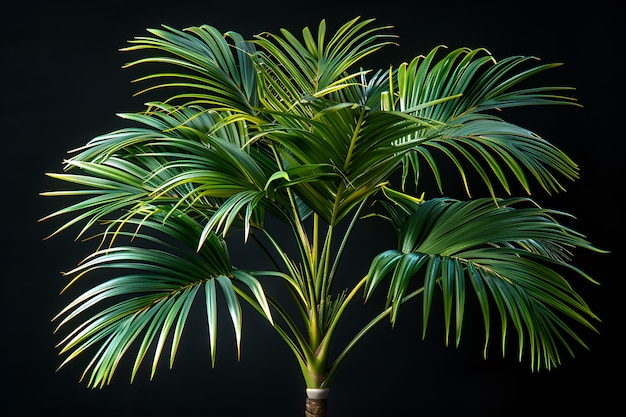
x=147, y=300
x=512, y=254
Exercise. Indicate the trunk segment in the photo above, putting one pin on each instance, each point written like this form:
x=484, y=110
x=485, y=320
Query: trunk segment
x=315, y=405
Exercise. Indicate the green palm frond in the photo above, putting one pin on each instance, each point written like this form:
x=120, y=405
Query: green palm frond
x=149, y=301
x=210, y=70
x=355, y=149
x=178, y=159
x=508, y=254
x=113, y=185
x=292, y=72
x=161, y=121
x=472, y=134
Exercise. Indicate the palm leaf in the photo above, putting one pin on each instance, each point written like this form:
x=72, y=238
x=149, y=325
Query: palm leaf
x=217, y=74
x=148, y=302
x=291, y=71
x=472, y=135
x=506, y=250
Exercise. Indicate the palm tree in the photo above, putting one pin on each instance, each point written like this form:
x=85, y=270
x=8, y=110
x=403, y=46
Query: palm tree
x=294, y=131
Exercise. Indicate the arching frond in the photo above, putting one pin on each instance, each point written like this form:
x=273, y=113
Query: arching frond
x=473, y=135
x=512, y=254
x=147, y=300
x=208, y=69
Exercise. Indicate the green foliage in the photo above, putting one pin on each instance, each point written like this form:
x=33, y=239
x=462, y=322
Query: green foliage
x=295, y=129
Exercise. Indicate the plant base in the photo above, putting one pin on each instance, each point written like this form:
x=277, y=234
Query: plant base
x=315, y=402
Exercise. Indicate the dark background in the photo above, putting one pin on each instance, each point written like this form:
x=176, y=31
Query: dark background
x=62, y=84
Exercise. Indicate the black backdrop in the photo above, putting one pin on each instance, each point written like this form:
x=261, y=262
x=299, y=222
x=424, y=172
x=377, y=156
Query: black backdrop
x=62, y=85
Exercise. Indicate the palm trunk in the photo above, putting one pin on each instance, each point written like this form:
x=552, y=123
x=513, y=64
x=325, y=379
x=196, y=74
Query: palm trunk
x=315, y=405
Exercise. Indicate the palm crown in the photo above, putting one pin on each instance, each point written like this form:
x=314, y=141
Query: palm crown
x=294, y=129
